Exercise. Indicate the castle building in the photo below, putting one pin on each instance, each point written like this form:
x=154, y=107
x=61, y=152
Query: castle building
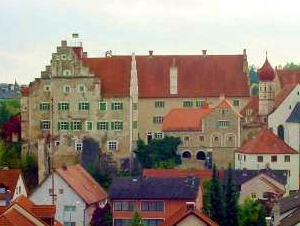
x=118, y=99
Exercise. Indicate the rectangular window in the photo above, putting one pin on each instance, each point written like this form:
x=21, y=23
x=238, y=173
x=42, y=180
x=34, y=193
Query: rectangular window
x=69, y=223
x=223, y=123
x=45, y=124
x=124, y=205
x=287, y=158
x=152, y=206
x=102, y=106
x=260, y=158
x=134, y=124
x=102, y=125
x=158, y=119
x=153, y=222
x=112, y=145
x=63, y=125
x=236, y=103
x=63, y=106
x=274, y=158
x=159, y=104
x=244, y=158
x=158, y=135
x=116, y=106
x=122, y=222
x=67, y=89
x=187, y=103
x=76, y=125
x=199, y=103
x=45, y=106
x=78, y=146
x=83, y=106
x=117, y=125
x=89, y=125
x=69, y=208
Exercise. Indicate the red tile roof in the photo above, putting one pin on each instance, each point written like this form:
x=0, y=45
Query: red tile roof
x=198, y=76
x=9, y=178
x=266, y=142
x=284, y=92
x=252, y=104
x=266, y=72
x=186, y=119
x=183, y=213
x=288, y=77
x=82, y=183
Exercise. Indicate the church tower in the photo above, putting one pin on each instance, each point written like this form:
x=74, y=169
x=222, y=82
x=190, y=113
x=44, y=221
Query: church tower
x=266, y=75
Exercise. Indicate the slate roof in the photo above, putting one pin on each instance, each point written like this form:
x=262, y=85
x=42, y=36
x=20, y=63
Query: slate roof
x=292, y=219
x=82, y=183
x=9, y=179
x=154, y=188
x=295, y=114
x=197, y=75
x=266, y=142
x=183, y=213
x=289, y=203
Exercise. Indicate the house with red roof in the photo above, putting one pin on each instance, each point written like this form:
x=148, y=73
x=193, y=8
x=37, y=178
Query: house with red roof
x=118, y=99
x=268, y=151
x=23, y=212
x=12, y=185
x=76, y=195
x=286, y=77
x=209, y=134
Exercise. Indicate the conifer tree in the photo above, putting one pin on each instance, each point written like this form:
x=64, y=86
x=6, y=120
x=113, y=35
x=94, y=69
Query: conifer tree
x=216, y=202
x=137, y=220
x=230, y=200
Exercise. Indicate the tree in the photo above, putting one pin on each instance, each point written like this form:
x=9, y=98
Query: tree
x=102, y=216
x=253, y=76
x=206, y=196
x=30, y=171
x=230, y=201
x=252, y=213
x=216, y=209
x=159, y=153
x=291, y=66
x=137, y=220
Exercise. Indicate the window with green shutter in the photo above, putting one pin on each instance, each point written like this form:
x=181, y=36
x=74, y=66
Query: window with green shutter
x=83, y=106
x=223, y=123
x=102, y=106
x=102, y=125
x=63, y=125
x=89, y=125
x=117, y=125
x=187, y=103
x=63, y=106
x=116, y=106
x=45, y=106
x=76, y=125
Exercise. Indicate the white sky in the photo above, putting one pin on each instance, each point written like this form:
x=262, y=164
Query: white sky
x=31, y=30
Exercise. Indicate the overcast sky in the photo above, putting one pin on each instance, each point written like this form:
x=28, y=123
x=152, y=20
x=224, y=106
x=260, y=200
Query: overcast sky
x=31, y=30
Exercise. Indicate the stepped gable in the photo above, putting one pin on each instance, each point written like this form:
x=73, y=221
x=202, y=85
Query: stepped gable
x=266, y=72
x=202, y=76
x=266, y=142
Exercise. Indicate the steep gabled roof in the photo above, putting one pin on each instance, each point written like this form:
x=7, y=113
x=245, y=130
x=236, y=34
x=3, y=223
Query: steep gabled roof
x=82, y=183
x=183, y=213
x=9, y=179
x=185, y=119
x=197, y=76
x=288, y=77
x=284, y=92
x=154, y=188
x=295, y=115
x=252, y=104
x=266, y=142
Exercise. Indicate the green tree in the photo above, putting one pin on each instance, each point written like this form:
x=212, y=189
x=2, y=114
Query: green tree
x=4, y=113
x=159, y=153
x=216, y=208
x=206, y=196
x=252, y=213
x=253, y=76
x=230, y=201
x=30, y=171
x=137, y=220
x=291, y=66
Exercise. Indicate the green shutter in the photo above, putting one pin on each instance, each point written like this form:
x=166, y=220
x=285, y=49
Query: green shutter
x=88, y=106
x=71, y=126
x=41, y=124
x=41, y=106
x=121, y=106
x=121, y=125
x=58, y=126
x=78, y=106
x=80, y=125
x=217, y=124
x=59, y=106
x=106, y=125
x=68, y=106
x=112, y=125
x=112, y=106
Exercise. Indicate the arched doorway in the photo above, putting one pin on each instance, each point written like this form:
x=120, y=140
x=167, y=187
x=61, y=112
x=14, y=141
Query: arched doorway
x=280, y=132
x=201, y=155
x=186, y=155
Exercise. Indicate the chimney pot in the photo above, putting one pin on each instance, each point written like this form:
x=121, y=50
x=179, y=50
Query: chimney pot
x=64, y=43
x=151, y=53
x=204, y=51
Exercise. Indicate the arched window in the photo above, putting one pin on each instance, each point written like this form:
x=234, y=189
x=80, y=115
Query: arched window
x=186, y=155
x=201, y=155
x=280, y=132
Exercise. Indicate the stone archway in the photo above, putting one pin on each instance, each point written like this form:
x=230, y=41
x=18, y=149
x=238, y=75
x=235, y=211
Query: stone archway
x=186, y=155
x=201, y=155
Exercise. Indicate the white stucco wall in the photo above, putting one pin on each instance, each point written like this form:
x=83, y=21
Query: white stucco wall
x=68, y=198
x=20, y=188
x=281, y=114
x=252, y=164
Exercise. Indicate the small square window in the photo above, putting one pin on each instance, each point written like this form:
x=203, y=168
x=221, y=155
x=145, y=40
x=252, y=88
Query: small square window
x=61, y=191
x=67, y=89
x=186, y=138
x=57, y=143
x=159, y=104
x=236, y=103
x=102, y=106
x=158, y=135
x=260, y=158
x=201, y=138
x=78, y=146
x=287, y=158
x=253, y=195
x=116, y=106
x=112, y=145
x=158, y=119
x=274, y=158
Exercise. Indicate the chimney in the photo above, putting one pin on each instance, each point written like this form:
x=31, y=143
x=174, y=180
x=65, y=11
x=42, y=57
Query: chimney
x=204, y=52
x=84, y=55
x=245, y=53
x=64, y=43
x=150, y=53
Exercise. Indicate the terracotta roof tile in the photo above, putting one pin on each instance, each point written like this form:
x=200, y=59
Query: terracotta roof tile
x=288, y=77
x=252, y=104
x=9, y=178
x=266, y=142
x=182, y=213
x=82, y=183
x=197, y=75
x=174, y=173
x=187, y=119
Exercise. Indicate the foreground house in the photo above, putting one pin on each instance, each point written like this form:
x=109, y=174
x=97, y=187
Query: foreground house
x=76, y=195
x=154, y=198
x=12, y=185
x=208, y=134
x=286, y=212
x=23, y=212
x=266, y=150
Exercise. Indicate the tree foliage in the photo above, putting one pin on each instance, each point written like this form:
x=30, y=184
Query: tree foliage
x=137, y=220
x=159, y=153
x=291, y=66
x=252, y=213
x=102, y=216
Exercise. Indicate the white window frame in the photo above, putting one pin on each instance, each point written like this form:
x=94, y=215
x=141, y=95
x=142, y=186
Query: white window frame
x=63, y=125
x=84, y=106
x=45, y=106
x=75, y=125
x=87, y=123
x=158, y=135
x=63, y=106
x=117, y=125
x=102, y=125
x=117, y=105
x=46, y=125
x=78, y=146
x=112, y=145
